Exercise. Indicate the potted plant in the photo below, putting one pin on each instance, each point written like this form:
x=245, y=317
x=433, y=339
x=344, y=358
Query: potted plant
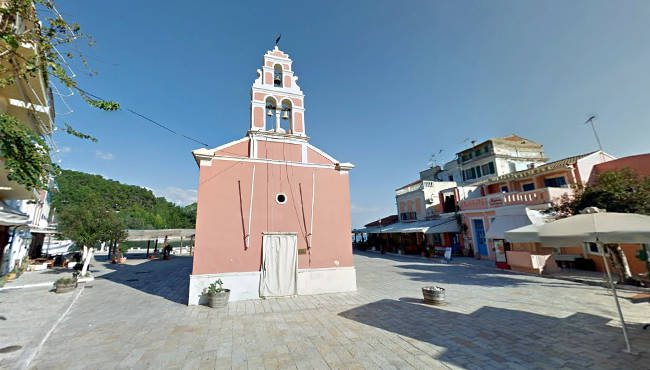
x=167, y=252
x=217, y=295
x=66, y=284
x=433, y=294
x=123, y=249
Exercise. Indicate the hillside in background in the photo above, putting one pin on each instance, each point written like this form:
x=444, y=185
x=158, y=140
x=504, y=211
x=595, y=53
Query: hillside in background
x=137, y=207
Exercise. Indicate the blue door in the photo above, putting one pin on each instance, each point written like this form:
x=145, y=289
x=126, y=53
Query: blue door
x=479, y=237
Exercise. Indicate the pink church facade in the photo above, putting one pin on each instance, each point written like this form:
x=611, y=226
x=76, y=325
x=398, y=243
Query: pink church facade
x=273, y=214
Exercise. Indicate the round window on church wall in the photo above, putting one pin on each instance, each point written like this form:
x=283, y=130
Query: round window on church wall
x=281, y=198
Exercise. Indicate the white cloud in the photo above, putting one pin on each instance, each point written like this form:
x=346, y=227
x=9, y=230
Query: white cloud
x=104, y=155
x=176, y=195
x=65, y=149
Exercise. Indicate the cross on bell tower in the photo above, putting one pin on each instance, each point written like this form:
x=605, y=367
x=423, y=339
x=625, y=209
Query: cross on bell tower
x=277, y=103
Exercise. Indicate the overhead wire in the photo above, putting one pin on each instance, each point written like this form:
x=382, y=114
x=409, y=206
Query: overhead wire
x=151, y=120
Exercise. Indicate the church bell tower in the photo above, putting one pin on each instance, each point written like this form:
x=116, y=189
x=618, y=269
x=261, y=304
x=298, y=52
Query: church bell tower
x=277, y=103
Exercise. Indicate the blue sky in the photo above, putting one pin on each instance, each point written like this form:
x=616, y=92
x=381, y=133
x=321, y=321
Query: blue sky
x=387, y=83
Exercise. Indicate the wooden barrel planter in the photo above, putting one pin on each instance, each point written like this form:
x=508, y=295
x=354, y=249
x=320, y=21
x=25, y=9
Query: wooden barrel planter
x=433, y=295
x=218, y=300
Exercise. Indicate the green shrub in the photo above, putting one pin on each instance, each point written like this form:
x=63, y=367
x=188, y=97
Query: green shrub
x=65, y=281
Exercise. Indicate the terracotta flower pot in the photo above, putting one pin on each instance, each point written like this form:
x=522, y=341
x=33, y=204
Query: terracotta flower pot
x=168, y=257
x=11, y=276
x=122, y=260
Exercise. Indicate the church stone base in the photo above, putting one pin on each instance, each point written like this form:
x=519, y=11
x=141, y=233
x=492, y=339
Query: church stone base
x=245, y=285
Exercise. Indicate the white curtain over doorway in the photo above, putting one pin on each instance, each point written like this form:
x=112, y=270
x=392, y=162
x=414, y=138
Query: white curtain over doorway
x=279, y=265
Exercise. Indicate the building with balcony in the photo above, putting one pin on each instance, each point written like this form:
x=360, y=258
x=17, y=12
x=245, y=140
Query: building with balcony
x=24, y=213
x=536, y=257
x=516, y=199
x=493, y=157
x=419, y=200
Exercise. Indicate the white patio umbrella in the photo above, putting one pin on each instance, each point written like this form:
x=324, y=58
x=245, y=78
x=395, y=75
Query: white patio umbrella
x=524, y=234
x=595, y=227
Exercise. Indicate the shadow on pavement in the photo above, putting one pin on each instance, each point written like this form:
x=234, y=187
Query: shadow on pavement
x=498, y=338
x=449, y=274
x=168, y=279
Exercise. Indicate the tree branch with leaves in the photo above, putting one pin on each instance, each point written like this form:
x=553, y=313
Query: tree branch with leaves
x=35, y=41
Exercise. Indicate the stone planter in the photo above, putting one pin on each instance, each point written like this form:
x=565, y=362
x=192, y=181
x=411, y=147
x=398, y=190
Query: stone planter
x=219, y=300
x=64, y=288
x=433, y=295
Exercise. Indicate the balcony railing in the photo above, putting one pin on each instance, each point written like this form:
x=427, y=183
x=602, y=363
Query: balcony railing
x=533, y=197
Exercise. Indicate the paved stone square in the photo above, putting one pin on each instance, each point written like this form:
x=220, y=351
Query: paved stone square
x=134, y=316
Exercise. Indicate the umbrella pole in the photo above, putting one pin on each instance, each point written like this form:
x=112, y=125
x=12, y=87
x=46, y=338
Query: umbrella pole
x=618, y=306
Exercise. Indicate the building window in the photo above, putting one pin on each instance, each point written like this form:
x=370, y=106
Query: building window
x=592, y=248
x=528, y=187
x=478, y=171
x=504, y=189
x=555, y=182
x=487, y=169
x=469, y=174
x=437, y=240
x=451, y=178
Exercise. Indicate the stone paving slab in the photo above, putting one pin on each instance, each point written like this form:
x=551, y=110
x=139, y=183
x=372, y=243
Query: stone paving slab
x=134, y=316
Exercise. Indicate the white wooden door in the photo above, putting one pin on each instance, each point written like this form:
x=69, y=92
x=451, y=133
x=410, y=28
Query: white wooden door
x=279, y=265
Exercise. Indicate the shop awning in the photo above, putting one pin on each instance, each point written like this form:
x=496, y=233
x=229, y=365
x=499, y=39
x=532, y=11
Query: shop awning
x=506, y=223
x=406, y=227
x=445, y=225
x=510, y=221
x=153, y=234
x=367, y=230
x=12, y=217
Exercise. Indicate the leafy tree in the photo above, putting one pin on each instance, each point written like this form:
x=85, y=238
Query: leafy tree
x=39, y=24
x=136, y=207
x=89, y=224
x=25, y=154
x=622, y=191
